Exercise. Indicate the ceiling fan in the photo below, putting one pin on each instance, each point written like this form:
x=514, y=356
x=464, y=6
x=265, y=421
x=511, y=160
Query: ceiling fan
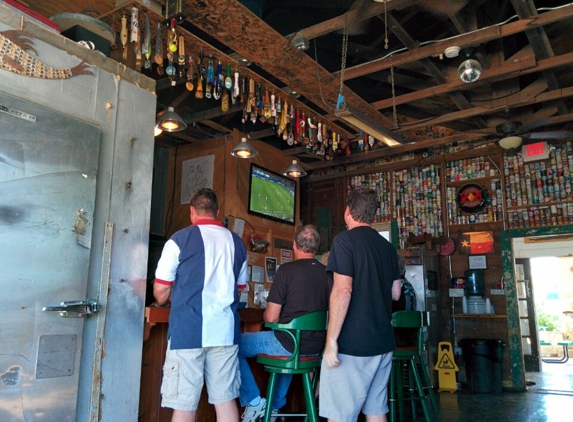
x=512, y=133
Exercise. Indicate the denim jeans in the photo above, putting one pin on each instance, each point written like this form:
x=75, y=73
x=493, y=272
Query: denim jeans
x=250, y=345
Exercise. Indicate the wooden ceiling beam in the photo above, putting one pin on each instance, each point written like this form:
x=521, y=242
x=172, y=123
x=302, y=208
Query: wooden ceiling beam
x=476, y=111
x=540, y=43
x=357, y=15
x=523, y=66
x=456, y=96
x=232, y=24
x=478, y=37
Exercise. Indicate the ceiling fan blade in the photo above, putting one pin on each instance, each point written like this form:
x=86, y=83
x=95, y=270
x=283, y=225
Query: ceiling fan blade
x=533, y=125
x=552, y=134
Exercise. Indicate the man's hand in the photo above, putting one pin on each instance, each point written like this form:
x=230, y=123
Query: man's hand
x=330, y=355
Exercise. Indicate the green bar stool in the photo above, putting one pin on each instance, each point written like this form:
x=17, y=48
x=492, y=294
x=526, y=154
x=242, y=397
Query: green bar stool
x=411, y=360
x=295, y=363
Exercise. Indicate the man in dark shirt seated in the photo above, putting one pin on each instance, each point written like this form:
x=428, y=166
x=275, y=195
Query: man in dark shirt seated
x=299, y=287
x=407, y=302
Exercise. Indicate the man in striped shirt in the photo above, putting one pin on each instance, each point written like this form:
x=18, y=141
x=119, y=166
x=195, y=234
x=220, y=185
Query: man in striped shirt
x=201, y=271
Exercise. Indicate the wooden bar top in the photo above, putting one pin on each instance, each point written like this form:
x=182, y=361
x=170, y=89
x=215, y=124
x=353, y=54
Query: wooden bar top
x=251, y=318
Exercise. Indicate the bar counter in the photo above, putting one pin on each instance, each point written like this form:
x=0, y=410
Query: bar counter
x=154, y=347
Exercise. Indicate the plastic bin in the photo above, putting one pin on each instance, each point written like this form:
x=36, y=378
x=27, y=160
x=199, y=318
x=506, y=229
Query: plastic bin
x=483, y=364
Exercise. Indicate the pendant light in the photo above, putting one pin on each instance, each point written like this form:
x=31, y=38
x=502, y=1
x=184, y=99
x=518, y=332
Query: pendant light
x=170, y=121
x=244, y=150
x=295, y=170
x=470, y=69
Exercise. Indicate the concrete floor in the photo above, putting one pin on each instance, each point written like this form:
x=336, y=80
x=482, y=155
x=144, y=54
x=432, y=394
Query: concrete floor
x=549, y=398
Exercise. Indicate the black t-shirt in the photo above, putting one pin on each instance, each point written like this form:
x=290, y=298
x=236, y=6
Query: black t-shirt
x=372, y=262
x=301, y=287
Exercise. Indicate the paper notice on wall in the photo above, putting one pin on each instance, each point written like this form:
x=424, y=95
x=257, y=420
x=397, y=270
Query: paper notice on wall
x=239, y=226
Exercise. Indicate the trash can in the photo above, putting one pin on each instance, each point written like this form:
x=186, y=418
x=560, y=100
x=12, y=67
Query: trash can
x=483, y=364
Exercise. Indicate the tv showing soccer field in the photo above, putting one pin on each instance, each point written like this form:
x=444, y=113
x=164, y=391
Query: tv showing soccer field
x=271, y=195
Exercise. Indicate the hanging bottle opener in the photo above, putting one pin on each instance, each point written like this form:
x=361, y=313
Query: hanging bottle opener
x=210, y=78
x=146, y=46
x=158, y=50
x=123, y=36
x=181, y=56
x=201, y=71
x=189, y=84
x=135, y=36
x=218, y=91
x=236, y=88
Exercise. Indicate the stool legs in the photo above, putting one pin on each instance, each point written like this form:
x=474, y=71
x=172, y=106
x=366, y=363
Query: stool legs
x=309, y=387
x=270, y=395
x=396, y=392
x=307, y=384
x=428, y=386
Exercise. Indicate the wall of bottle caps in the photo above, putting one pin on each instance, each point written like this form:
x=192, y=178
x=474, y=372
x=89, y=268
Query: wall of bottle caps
x=539, y=193
x=412, y=197
x=536, y=194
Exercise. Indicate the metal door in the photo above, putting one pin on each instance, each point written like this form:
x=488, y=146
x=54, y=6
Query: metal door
x=48, y=166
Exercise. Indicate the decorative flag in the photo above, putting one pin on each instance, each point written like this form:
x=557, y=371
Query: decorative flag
x=476, y=243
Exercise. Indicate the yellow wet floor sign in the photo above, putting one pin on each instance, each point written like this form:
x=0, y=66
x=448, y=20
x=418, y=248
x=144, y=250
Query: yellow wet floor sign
x=446, y=367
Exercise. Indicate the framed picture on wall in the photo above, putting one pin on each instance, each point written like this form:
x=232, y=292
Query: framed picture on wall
x=477, y=262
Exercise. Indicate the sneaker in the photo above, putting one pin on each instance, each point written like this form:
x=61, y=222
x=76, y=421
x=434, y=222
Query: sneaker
x=275, y=418
x=254, y=413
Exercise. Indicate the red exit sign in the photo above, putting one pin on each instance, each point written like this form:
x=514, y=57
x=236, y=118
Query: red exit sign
x=537, y=151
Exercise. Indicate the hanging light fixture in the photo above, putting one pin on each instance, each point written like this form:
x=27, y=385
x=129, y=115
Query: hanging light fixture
x=170, y=121
x=470, y=69
x=244, y=150
x=295, y=170
x=157, y=130
x=363, y=122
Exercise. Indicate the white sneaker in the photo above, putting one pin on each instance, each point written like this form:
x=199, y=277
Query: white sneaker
x=254, y=413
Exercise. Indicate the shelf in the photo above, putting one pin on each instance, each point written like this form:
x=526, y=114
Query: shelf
x=477, y=223
x=478, y=180
x=541, y=204
x=479, y=316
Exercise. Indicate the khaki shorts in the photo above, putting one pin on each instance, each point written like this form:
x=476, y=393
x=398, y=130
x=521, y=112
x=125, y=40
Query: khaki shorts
x=357, y=384
x=185, y=369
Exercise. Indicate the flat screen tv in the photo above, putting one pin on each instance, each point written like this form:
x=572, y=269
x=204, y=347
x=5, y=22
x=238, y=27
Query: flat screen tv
x=271, y=195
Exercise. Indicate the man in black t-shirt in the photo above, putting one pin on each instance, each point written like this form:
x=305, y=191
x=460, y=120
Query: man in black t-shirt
x=299, y=287
x=360, y=340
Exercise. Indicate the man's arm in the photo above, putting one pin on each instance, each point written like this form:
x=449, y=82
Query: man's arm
x=396, y=289
x=162, y=292
x=339, y=302
x=272, y=312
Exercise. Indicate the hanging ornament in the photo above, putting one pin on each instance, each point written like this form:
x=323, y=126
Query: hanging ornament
x=170, y=69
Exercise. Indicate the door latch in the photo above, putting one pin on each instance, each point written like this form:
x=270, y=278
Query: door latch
x=75, y=308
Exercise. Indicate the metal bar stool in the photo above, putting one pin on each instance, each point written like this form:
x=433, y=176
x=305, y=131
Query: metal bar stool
x=295, y=363
x=409, y=358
